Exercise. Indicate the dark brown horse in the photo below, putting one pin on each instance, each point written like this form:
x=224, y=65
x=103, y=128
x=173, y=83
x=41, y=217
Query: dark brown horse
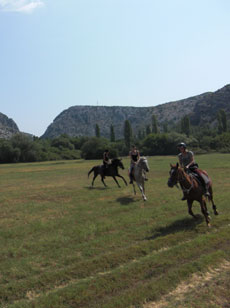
x=112, y=171
x=192, y=189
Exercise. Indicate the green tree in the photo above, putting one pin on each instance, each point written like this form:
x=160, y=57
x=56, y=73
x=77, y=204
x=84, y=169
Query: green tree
x=127, y=133
x=27, y=148
x=97, y=131
x=154, y=124
x=62, y=142
x=222, y=121
x=112, y=134
x=185, y=126
x=165, y=127
x=139, y=134
x=94, y=148
x=148, y=130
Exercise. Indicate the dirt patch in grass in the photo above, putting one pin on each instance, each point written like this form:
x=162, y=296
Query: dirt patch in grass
x=196, y=285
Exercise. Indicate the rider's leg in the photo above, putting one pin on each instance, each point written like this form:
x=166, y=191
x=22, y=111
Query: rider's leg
x=206, y=185
x=131, y=175
x=205, y=182
x=104, y=169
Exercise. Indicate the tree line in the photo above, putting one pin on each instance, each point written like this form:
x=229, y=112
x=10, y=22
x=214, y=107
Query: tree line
x=151, y=140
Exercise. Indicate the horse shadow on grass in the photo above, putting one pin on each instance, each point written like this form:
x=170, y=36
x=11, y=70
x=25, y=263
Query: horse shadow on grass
x=185, y=224
x=96, y=188
x=126, y=200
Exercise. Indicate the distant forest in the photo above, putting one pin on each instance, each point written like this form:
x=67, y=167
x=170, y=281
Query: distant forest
x=151, y=141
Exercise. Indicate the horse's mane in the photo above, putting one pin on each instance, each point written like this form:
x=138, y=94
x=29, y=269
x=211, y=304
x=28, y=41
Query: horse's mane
x=115, y=159
x=182, y=171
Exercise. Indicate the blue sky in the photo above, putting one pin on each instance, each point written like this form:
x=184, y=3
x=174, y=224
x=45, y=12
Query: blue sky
x=62, y=53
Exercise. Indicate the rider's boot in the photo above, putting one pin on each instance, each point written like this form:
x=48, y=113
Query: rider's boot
x=131, y=179
x=207, y=194
x=184, y=198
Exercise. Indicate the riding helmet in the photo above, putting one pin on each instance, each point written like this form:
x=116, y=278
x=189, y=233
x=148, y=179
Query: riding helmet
x=182, y=144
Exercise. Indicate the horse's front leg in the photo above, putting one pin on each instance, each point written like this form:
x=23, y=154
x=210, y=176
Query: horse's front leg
x=189, y=202
x=120, y=176
x=116, y=181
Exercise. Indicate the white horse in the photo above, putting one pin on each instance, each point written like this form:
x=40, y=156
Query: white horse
x=139, y=175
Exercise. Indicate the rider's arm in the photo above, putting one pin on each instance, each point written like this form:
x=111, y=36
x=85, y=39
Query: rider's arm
x=180, y=161
x=130, y=155
x=191, y=160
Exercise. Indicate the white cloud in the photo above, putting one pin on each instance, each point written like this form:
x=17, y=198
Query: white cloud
x=23, y=6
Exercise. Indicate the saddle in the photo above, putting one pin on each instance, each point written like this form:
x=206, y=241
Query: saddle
x=104, y=169
x=198, y=176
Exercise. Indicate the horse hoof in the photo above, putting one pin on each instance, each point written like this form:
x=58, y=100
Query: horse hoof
x=209, y=225
x=216, y=213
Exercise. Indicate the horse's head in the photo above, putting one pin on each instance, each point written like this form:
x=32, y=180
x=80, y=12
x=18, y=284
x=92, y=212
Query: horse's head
x=143, y=163
x=173, y=179
x=117, y=163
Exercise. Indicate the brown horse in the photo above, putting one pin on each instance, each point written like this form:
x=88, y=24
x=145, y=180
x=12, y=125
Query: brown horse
x=193, y=190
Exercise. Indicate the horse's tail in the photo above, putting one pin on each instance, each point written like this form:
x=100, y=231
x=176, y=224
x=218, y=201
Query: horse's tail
x=90, y=171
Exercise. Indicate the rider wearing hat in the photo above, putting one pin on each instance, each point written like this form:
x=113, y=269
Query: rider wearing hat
x=186, y=161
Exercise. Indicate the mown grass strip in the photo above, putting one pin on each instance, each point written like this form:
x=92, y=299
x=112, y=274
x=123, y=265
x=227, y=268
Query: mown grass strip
x=147, y=278
x=43, y=279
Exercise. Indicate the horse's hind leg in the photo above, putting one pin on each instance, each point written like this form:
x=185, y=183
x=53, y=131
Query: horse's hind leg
x=205, y=211
x=95, y=175
x=142, y=189
x=134, y=189
x=102, y=179
x=211, y=199
x=214, y=208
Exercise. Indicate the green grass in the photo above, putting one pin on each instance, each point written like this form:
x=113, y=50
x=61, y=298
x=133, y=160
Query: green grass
x=65, y=244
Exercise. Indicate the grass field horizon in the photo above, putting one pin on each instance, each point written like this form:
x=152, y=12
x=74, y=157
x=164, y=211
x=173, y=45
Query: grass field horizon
x=66, y=244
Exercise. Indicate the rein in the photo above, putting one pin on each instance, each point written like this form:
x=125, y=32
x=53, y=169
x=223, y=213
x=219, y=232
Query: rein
x=184, y=189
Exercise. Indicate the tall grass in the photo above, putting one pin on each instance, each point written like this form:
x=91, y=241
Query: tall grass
x=65, y=244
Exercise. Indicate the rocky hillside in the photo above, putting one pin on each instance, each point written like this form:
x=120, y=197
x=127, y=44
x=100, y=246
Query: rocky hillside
x=7, y=127
x=81, y=120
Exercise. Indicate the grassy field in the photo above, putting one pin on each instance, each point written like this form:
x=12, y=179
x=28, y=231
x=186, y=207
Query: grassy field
x=65, y=244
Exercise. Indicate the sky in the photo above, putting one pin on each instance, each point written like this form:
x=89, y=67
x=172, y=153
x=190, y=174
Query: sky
x=55, y=54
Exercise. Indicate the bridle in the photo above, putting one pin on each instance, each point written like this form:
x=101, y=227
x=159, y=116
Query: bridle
x=143, y=163
x=179, y=179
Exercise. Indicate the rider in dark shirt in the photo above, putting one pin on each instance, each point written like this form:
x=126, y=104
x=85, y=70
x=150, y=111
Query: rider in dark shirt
x=134, y=155
x=106, y=160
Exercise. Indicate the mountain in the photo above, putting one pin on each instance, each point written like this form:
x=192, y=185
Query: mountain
x=7, y=127
x=81, y=120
